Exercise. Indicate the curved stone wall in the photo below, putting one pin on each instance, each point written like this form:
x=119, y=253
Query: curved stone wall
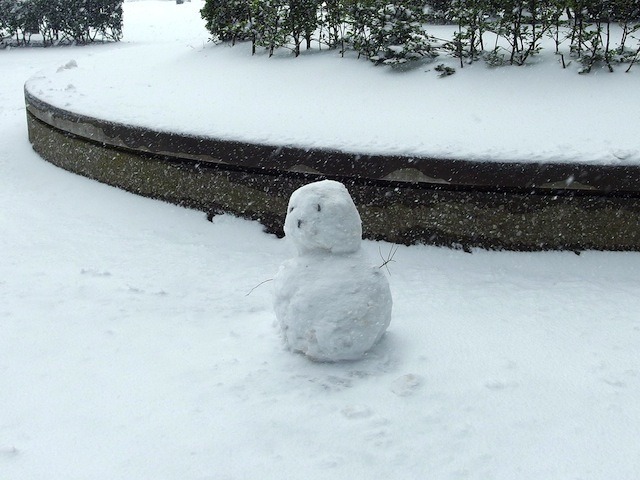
x=515, y=206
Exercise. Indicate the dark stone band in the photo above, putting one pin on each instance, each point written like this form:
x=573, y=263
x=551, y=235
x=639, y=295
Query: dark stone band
x=515, y=206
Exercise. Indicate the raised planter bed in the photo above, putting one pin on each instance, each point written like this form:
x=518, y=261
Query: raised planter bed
x=507, y=205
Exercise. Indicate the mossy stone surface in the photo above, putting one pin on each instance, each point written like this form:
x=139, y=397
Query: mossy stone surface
x=394, y=211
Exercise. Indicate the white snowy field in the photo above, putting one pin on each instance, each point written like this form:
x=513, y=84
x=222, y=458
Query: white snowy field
x=129, y=348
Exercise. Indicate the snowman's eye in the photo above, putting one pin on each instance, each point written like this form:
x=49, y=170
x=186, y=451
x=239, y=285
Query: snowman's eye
x=291, y=209
x=319, y=208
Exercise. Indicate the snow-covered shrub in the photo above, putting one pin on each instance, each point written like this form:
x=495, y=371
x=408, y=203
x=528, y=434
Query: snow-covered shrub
x=592, y=39
x=269, y=24
x=303, y=22
x=393, y=33
x=19, y=19
x=627, y=14
x=360, y=16
x=86, y=20
x=438, y=11
x=332, y=23
x=284, y=23
x=79, y=21
x=472, y=19
x=523, y=25
x=228, y=20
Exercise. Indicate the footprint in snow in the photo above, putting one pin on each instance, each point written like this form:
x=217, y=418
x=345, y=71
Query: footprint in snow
x=356, y=411
x=501, y=385
x=406, y=385
x=94, y=273
x=8, y=451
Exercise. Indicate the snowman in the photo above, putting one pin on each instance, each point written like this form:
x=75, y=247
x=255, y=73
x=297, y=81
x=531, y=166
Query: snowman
x=330, y=302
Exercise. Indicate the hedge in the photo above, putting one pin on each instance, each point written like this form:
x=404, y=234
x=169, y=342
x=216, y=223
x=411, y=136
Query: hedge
x=56, y=21
x=393, y=33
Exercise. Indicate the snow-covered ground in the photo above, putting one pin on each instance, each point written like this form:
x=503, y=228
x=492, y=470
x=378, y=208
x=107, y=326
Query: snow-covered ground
x=129, y=348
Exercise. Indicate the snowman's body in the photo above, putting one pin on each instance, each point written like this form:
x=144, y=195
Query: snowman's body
x=331, y=303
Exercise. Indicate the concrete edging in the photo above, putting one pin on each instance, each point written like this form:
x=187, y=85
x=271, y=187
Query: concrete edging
x=514, y=206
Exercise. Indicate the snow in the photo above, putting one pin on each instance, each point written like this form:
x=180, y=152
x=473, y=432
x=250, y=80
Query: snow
x=331, y=302
x=129, y=348
x=221, y=91
x=321, y=217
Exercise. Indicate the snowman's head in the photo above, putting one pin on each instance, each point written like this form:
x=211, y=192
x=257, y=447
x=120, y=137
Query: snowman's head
x=322, y=217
